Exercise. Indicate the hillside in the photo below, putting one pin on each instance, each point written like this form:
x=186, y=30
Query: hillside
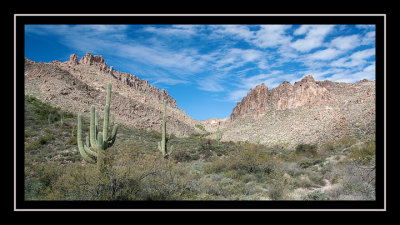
x=309, y=111
x=199, y=168
x=75, y=86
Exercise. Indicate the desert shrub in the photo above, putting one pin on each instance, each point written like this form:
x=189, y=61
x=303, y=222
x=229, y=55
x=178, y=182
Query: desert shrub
x=365, y=154
x=277, y=185
x=184, y=156
x=305, y=163
x=42, y=178
x=44, y=110
x=32, y=145
x=129, y=176
x=243, y=164
x=306, y=149
x=316, y=178
x=36, y=144
x=154, y=134
x=72, y=140
x=45, y=139
x=217, y=186
x=316, y=195
x=201, y=127
x=345, y=142
x=303, y=182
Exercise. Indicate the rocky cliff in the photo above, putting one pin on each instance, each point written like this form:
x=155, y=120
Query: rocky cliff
x=308, y=111
x=75, y=85
x=285, y=96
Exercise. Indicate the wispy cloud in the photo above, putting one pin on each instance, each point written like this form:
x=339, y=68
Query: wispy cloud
x=314, y=38
x=357, y=59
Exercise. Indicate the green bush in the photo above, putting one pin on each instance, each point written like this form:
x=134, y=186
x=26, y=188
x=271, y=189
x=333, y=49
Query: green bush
x=365, y=154
x=45, y=111
x=201, y=127
x=36, y=144
x=308, y=163
x=317, y=195
x=246, y=160
x=307, y=149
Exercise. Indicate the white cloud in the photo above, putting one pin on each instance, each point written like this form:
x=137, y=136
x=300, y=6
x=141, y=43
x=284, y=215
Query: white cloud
x=350, y=76
x=210, y=84
x=315, y=35
x=346, y=42
x=266, y=36
x=175, y=30
x=271, y=36
x=237, y=95
x=326, y=54
x=369, y=38
x=234, y=58
x=365, y=26
x=357, y=59
x=236, y=31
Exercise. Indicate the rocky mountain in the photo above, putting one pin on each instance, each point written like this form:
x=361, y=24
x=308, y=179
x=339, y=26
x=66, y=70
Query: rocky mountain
x=285, y=96
x=307, y=112
x=75, y=85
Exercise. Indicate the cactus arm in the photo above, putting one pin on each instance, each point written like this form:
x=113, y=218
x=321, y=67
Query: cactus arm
x=108, y=99
x=100, y=149
x=105, y=126
x=93, y=134
x=111, y=139
x=89, y=151
x=96, y=122
x=81, y=147
x=87, y=141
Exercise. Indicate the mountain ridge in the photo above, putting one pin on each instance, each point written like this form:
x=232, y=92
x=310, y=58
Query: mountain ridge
x=308, y=111
x=76, y=85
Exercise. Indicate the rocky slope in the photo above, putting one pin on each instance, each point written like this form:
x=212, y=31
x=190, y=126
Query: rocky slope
x=75, y=85
x=307, y=112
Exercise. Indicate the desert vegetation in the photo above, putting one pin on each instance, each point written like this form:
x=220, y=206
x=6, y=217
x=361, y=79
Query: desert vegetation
x=199, y=168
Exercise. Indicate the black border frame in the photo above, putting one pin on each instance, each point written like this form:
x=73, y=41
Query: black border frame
x=381, y=200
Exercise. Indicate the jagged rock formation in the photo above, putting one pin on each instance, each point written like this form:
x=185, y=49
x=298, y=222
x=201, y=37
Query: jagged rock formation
x=255, y=104
x=285, y=96
x=307, y=112
x=75, y=85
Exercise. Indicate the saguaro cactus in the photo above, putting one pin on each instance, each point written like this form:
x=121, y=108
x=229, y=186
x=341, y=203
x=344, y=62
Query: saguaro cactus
x=96, y=142
x=162, y=145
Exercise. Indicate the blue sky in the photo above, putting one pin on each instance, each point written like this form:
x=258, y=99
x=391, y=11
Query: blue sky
x=209, y=68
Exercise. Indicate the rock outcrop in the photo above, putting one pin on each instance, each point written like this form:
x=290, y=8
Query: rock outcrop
x=75, y=85
x=255, y=104
x=97, y=63
x=285, y=96
x=309, y=112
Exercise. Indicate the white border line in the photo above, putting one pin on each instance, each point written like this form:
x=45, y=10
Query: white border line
x=133, y=15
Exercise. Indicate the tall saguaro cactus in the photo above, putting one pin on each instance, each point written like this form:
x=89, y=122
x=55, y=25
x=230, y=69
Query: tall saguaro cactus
x=162, y=145
x=96, y=142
